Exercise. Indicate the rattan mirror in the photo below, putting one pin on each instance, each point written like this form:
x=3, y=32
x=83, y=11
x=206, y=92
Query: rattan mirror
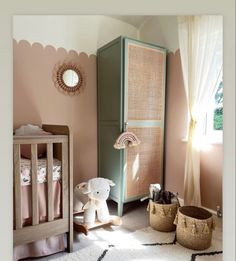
x=69, y=78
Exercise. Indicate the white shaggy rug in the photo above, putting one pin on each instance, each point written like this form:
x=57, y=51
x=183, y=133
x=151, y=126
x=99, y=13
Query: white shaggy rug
x=143, y=245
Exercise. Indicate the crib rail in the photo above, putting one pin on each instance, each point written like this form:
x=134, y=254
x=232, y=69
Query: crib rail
x=40, y=139
x=17, y=185
x=50, y=141
x=50, y=181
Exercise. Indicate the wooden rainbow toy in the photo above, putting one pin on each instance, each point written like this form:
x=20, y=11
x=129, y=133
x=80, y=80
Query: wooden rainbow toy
x=126, y=139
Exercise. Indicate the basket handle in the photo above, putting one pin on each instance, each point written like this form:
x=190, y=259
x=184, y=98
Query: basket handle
x=176, y=196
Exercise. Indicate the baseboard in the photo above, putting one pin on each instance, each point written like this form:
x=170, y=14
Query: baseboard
x=181, y=202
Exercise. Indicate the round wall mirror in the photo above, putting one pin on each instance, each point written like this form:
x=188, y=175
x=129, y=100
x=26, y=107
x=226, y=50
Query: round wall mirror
x=69, y=78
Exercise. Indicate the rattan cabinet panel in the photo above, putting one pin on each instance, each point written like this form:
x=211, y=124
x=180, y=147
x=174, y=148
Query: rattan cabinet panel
x=131, y=96
x=145, y=75
x=144, y=162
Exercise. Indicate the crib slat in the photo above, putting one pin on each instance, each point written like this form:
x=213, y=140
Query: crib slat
x=17, y=186
x=65, y=206
x=50, y=180
x=34, y=182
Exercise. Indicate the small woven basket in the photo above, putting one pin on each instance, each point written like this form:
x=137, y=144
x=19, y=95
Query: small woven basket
x=162, y=216
x=194, y=227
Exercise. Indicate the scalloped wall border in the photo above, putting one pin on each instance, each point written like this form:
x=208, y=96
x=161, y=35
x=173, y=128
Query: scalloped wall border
x=44, y=47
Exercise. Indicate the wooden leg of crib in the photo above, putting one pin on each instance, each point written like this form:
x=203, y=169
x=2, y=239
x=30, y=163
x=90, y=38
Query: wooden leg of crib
x=70, y=241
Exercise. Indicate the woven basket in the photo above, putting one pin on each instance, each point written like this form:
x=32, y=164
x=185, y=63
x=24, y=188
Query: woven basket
x=162, y=216
x=194, y=227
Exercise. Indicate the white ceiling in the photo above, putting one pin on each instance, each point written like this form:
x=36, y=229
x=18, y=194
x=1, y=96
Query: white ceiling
x=135, y=20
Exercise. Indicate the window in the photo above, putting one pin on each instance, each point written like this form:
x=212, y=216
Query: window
x=218, y=112
x=214, y=117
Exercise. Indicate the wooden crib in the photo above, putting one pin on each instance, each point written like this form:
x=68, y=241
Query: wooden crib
x=58, y=145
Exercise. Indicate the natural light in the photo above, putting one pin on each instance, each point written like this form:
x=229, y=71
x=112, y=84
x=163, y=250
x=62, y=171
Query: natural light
x=135, y=168
x=121, y=239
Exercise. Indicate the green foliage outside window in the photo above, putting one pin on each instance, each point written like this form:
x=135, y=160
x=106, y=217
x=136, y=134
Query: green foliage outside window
x=218, y=112
x=218, y=119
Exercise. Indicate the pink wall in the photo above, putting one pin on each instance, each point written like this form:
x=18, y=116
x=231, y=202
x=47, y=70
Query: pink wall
x=37, y=101
x=211, y=176
x=176, y=122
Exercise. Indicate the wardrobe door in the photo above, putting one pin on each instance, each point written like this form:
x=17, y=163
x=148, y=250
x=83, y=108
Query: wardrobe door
x=144, y=112
x=110, y=113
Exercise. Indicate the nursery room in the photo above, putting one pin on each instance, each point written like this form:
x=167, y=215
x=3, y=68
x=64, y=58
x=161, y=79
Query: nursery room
x=118, y=137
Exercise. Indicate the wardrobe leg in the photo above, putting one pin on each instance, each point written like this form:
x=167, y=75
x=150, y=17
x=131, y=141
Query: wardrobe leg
x=120, y=209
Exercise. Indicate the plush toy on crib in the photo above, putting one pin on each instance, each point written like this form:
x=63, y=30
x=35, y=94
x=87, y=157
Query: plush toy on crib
x=91, y=197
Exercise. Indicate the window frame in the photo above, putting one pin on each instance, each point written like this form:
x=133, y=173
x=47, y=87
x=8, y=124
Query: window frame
x=210, y=134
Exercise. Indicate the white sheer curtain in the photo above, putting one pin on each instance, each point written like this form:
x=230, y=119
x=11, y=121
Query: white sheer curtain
x=200, y=40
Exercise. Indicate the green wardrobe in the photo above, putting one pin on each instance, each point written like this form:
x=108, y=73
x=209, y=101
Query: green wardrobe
x=131, y=97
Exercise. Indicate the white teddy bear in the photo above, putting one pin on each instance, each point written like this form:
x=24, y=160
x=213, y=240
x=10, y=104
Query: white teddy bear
x=91, y=197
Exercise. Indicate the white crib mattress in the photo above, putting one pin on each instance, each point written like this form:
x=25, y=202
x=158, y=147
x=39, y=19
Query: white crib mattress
x=25, y=170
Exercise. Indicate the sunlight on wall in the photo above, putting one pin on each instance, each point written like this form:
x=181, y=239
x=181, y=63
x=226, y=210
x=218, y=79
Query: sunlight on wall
x=135, y=168
x=202, y=143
